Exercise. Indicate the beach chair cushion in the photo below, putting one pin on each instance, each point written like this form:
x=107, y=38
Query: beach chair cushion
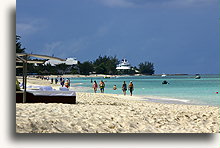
x=63, y=89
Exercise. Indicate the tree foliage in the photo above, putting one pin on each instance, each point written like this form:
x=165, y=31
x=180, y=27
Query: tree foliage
x=85, y=68
x=19, y=49
x=146, y=68
x=106, y=65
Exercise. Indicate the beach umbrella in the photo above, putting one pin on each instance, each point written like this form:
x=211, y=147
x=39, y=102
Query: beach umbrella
x=23, y=58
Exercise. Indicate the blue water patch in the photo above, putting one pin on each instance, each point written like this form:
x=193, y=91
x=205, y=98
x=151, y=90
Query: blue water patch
x=183, y=87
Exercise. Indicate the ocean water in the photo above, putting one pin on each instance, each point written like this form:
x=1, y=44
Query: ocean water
x=182, y=89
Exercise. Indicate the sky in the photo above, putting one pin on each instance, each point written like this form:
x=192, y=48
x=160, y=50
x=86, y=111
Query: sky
x=179, y=37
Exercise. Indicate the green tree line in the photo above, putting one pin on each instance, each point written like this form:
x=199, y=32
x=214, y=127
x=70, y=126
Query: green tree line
x=102, y=65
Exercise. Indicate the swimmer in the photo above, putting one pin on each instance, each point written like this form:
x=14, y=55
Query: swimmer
x=114, y=87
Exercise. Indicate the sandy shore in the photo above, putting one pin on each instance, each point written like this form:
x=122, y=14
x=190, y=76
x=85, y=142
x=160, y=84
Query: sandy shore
x=91, y=75
x=106, y=113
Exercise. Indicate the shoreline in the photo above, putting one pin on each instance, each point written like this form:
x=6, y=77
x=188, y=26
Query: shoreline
x=38, y=82
x=32, y=81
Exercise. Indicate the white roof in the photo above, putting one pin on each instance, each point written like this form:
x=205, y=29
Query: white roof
x=69, y=61
x=38, y=56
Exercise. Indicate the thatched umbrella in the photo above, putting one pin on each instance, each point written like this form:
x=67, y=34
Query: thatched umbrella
x=23, y=58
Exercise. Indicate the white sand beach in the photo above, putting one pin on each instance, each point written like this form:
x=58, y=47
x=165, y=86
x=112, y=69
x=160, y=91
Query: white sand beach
x=107, y=113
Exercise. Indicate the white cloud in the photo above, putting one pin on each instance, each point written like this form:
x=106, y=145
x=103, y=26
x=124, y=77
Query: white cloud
x=23, y=28
x=29, y=26
x=189, y=3
x=50, y=48
x=53, y=45
x=117, y=3
x=148, y=3
x=103, y=30
x=65, y=48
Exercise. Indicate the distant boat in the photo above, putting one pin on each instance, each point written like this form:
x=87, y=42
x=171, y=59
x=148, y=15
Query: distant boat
x=165, y=82
x=123, y=65
x=163, y=75
x=106, y=77
x=197, y=76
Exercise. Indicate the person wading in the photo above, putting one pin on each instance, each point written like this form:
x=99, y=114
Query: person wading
x=131, y=87
x=95, y=86
x=102, y=86
x=124, y=88
x=67, y=83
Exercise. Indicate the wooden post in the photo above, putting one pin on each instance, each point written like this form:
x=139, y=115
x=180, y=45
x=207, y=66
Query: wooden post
x=23, y=75
x=25, y=79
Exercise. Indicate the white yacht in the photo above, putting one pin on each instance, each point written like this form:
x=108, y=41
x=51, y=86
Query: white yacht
x=123, y=65
x=163, y=75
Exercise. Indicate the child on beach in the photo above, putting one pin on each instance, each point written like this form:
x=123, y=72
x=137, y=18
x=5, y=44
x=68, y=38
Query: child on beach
x=131, y=87
x=95, y=86
x=102, y=86
x=124, y=88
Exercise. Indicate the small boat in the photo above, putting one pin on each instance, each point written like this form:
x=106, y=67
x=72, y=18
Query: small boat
x=106, y=77
x=163, y=75
x=197, y=76
x=165, y=82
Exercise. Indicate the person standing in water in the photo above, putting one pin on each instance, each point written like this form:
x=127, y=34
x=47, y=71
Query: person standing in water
x=67, y=83
x=124, y=88
x=102, y=86
x=95, y=86
x=131, y=87
x=51, y=81
x=114, y=87
x=62, y=82
x=56, y=80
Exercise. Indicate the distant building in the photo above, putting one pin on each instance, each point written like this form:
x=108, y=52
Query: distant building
x=69, y=61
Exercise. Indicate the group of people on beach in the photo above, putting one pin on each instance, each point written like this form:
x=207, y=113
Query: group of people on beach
x=124, y=87
x=43, y=77
x=101, y=86
x=130, y=87
x=66, y=83
x=63, y=82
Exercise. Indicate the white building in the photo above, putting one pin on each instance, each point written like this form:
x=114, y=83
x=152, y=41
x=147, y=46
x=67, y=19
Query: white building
x=69, y=61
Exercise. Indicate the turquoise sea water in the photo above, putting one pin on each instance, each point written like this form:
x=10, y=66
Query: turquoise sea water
x=184, y=89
